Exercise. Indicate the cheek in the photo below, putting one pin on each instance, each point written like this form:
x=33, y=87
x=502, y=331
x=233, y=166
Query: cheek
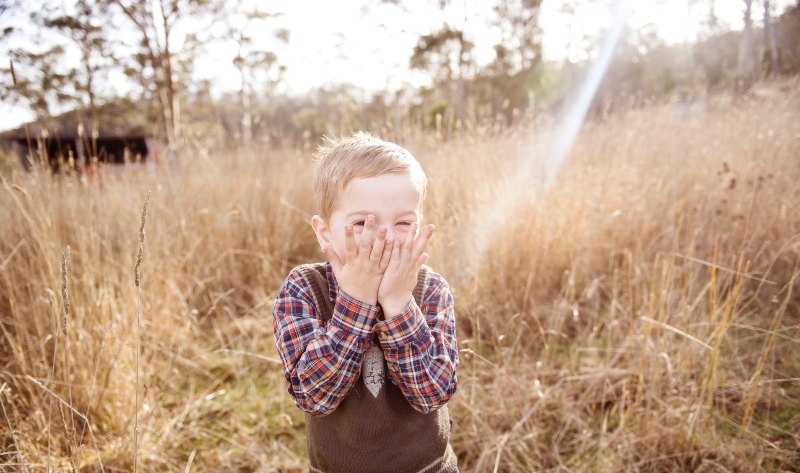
x=340, y=245
x=337, y=241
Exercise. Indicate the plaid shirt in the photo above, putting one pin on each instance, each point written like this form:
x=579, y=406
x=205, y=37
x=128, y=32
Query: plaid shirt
x=321, y=362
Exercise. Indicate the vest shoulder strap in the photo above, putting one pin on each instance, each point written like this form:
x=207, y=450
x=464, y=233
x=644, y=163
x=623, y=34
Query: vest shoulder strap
x=314, y=275
x=422, y=280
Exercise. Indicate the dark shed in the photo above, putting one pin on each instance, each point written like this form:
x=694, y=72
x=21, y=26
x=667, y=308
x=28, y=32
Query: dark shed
x=69, y=140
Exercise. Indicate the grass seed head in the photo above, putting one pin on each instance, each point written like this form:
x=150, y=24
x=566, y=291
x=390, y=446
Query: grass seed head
x=64, y=294
x=140, y=254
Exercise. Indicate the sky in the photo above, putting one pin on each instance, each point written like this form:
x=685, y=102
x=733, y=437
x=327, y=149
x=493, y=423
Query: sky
x=368, y=44
x=345, y=41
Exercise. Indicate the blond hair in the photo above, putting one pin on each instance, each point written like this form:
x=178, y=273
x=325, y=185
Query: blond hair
x=340, y=160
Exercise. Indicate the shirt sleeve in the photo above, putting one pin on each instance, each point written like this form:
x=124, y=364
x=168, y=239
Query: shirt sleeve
x=420, y=348
x=321, y=361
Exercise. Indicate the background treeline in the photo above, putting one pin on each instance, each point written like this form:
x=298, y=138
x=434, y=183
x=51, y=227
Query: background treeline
x=163, y=100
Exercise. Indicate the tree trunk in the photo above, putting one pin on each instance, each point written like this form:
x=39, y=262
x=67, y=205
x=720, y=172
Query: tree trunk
x=166, y=122
x=169, y=84
x=770, y=41
x=459, y=99
x=244, y=102
x=746, y=61
x=155, y=54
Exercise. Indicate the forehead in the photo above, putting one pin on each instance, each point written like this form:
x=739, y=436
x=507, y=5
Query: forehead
x=391, y=192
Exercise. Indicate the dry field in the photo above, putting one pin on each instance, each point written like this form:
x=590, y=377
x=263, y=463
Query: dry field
x=642, y=314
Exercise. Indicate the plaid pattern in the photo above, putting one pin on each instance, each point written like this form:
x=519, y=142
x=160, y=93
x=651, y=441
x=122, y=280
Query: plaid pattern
x=321, y=362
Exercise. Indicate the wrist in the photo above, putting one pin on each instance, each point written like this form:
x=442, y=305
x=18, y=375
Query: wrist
x=360, y=296
x=394, y=306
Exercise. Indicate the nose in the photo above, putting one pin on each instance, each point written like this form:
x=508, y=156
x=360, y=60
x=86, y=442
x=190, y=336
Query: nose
x=396, y=232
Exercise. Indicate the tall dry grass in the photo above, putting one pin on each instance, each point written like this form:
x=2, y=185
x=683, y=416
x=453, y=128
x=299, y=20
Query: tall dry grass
x=642, y=314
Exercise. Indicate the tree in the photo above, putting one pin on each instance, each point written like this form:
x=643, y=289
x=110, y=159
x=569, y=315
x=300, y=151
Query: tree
x=39, y=77
x=518, y=20
x=157, y=63
x=255, y=64
x=446, y=54
x=85, y=29
x=37, y=81
x=518, y=55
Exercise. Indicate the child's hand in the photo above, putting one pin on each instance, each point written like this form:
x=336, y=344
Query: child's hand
x=400, y=277
x=359, y=275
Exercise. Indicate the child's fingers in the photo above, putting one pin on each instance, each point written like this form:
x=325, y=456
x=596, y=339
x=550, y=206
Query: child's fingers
x=387, y=254
x=424, y=237
x=421, y=260
x=378, y=246
x=396, y=248
x=350, y=243
x=367, y=236
x=408, y=241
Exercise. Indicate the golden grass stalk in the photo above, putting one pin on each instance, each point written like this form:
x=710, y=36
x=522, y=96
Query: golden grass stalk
x=137, y=280
x=18, y=451
x=768, y=346
x=67, y=378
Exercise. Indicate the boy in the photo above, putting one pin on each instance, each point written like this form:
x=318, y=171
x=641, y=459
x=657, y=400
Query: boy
x=367, y=338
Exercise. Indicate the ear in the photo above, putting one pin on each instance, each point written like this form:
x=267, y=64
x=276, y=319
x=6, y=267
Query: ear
x=322, y=230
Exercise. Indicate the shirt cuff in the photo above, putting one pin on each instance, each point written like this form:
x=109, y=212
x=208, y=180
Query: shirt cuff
x=354, y=316
x=403, y=328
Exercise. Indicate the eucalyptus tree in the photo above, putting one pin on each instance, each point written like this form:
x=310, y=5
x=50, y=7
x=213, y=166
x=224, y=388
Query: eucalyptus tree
x=86, y=27
x=168, y=35
x=257, y=64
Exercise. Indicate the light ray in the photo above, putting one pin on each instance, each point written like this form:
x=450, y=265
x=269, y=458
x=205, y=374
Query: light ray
x=542, y=161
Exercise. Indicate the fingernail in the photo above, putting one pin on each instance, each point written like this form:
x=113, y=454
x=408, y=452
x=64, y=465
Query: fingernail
x=382, y=230
x=432, y=227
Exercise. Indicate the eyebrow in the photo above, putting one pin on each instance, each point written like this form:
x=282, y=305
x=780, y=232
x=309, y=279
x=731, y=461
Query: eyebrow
x=365, y=212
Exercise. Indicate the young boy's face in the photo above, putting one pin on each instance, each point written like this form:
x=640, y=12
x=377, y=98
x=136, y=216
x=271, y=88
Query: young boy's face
x=392, y=198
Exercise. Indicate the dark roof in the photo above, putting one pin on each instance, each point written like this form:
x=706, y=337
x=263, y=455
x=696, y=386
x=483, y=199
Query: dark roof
x=118, y=119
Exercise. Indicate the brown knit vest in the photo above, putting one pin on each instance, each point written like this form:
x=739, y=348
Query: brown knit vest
x=382, y=434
